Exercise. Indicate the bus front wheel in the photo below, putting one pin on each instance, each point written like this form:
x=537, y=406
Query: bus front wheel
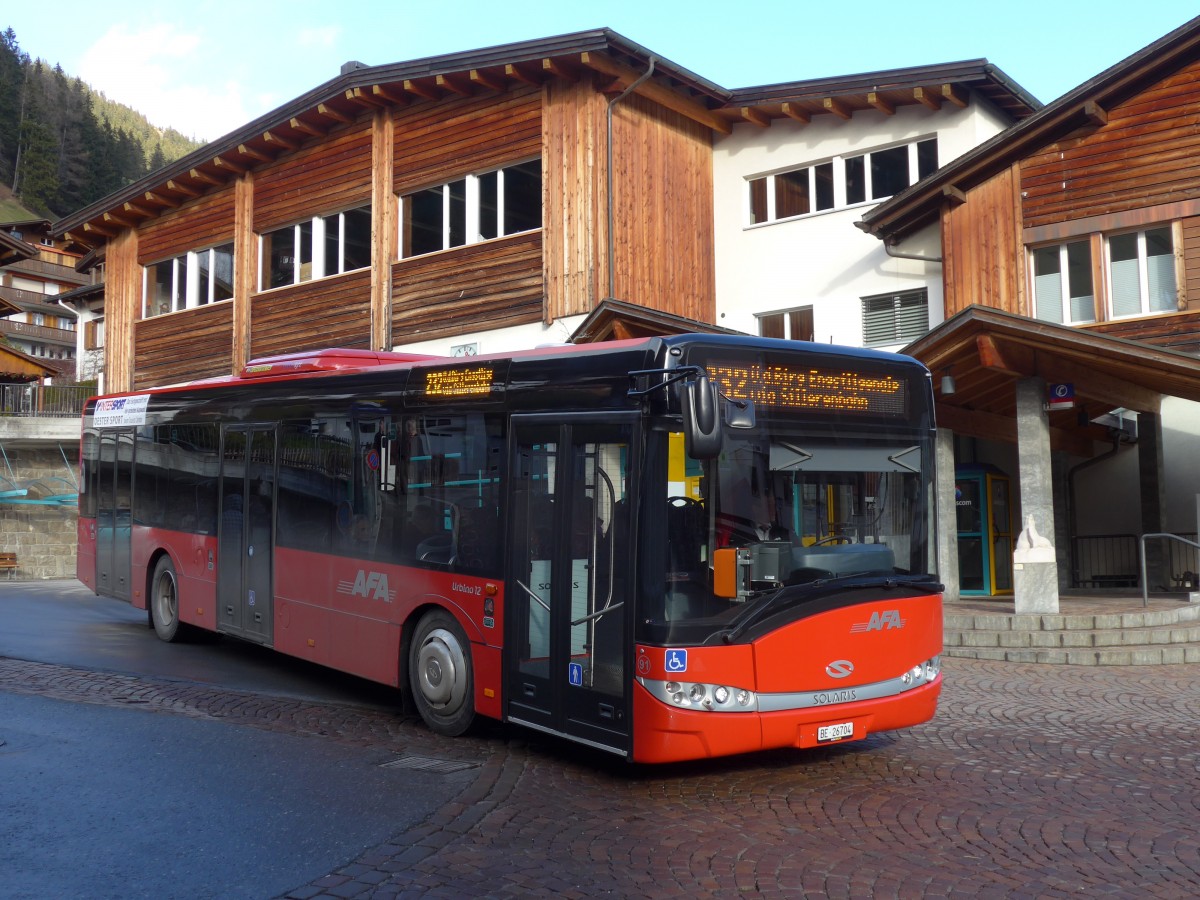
x=439, y=672
x=164, y=602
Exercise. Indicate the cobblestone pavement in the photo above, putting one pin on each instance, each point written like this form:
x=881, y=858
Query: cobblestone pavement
x=1032, y=781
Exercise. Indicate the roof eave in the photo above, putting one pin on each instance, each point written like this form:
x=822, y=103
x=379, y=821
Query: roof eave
x=916, y=206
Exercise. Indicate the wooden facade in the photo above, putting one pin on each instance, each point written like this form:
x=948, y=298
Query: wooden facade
x=639, y=230
x=379, y=151
x=1116, y=162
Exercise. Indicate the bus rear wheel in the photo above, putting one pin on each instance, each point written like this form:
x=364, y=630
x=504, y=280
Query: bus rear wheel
x=439, y=672
x=164, y=602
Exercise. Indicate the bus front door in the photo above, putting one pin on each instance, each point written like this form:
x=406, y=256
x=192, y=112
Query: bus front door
x=568, y=641
x=114, y=513
x=245, y=540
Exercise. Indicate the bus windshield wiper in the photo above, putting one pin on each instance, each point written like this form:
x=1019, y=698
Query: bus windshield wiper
x=824, y=587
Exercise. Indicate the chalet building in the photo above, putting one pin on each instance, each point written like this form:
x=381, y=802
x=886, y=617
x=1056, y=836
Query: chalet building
x=505, y=197
x=789, y=188
x=1069, y=352
x=41, y=327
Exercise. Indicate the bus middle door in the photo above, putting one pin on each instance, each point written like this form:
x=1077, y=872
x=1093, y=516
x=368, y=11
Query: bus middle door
x=246, y=534
x=567, y=641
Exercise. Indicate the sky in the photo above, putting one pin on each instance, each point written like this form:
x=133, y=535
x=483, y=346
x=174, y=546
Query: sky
x=207, y=68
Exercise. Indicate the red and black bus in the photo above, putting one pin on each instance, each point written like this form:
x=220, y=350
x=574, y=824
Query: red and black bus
x=667, y=548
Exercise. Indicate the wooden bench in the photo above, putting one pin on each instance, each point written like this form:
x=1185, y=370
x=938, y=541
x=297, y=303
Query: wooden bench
x=8, y=560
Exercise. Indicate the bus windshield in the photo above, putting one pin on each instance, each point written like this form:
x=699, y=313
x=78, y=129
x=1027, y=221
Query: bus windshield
x=797, y=508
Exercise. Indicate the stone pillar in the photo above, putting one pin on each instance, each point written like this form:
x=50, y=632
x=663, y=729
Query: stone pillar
x=1154, y=503
x=945, y=514
x=1035, y=566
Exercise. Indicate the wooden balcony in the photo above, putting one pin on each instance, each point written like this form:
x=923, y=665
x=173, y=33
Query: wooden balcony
x=58, y=336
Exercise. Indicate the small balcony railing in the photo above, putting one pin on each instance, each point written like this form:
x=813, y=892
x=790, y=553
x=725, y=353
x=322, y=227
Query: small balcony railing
x=57, y=401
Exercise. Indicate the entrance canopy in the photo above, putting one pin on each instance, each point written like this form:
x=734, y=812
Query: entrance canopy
x=986, y=352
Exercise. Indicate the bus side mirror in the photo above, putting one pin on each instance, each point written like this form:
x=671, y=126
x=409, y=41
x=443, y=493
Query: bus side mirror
x=701, y=419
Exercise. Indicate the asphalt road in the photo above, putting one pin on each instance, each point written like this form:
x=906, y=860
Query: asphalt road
x=63, y=622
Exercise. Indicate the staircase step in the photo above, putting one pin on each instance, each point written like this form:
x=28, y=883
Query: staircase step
x=1160, y=637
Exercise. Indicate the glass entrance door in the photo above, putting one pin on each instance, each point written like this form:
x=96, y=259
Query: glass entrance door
x=568, y=579
x=246, y=533
x=114, y=513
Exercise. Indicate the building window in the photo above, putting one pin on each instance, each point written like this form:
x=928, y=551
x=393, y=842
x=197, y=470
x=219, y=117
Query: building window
x=93, y=334
x=1062, y=283
x=797, y=192
x=792, y=325
x=315, y=248
x=840, y=182
x=1141, y=273
x=475, y=208
x=895, y=318
x=195, y=278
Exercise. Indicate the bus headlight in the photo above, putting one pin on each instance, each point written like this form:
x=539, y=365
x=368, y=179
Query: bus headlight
x=701, y=697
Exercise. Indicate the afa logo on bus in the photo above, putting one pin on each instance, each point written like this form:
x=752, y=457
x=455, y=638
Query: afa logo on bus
x=370, y=585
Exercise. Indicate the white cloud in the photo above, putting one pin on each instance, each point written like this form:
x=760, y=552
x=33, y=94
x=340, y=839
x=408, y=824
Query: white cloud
x=166, y=74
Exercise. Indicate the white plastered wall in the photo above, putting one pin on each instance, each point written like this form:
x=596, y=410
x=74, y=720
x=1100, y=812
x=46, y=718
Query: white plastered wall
x=823, y=260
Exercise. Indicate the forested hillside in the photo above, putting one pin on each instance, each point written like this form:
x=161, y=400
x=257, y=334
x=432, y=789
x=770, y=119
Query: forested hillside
x=62, y=145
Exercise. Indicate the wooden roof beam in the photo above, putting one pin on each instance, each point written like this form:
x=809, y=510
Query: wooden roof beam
x=837, y=107
x=364, y=98
x=429, y=92
x=137, y=209
x=881, y=103
x=1095, y=113
x=389, y=95
x=226, y=166
x=955, y=95
x=276, y=140
x=119, y=221
x=92, y=229
x=324, y=109
x=794, y=112
x=307, y=128
x=560, y=69
x=178, y=188
x=205, y=178
x=454, y=85
x=159, y=200
x=254, y=153
x=953, y=195
x=652, y=90
x=520, y=73
x=755, y=116
x=491, y=82
x=1011, y=359
x=925, y=98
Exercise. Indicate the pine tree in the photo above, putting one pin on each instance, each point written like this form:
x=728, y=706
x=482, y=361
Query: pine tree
x=12, y=79
x=36, y=177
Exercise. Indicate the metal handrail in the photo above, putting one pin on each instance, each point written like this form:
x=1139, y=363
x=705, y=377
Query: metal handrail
x=1142, y=558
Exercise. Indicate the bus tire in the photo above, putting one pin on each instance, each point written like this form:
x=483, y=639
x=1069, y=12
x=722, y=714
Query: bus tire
x=440, y=675
x=164, y=602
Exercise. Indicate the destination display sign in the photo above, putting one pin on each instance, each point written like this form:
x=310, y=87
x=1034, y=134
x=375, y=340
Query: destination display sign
x=812, y=388
x=459, y=382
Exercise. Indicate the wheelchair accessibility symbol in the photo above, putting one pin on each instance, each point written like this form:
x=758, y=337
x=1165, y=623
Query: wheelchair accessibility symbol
x=676, y=661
